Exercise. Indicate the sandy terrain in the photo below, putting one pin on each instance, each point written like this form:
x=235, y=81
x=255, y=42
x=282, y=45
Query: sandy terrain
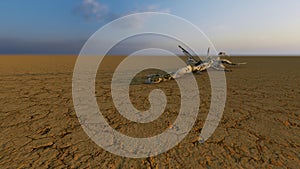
x=260, y=127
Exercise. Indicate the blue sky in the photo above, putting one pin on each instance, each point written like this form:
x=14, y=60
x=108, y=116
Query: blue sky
x=269, y=27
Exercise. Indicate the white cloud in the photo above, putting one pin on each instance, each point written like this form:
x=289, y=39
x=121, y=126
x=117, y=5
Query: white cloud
x=92, y=10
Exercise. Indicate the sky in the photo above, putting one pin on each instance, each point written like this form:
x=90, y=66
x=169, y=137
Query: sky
x=269, y=27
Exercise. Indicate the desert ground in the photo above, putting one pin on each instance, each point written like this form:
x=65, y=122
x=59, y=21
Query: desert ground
x=260, y=127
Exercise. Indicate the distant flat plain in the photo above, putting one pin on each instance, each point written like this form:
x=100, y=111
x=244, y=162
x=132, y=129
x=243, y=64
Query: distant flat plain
x=260, y=127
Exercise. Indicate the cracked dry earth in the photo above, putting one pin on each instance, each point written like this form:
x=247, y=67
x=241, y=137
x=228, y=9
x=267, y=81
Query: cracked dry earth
x=260, y=127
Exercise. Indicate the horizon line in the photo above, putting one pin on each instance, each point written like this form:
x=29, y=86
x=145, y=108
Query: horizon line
x=119, y=55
